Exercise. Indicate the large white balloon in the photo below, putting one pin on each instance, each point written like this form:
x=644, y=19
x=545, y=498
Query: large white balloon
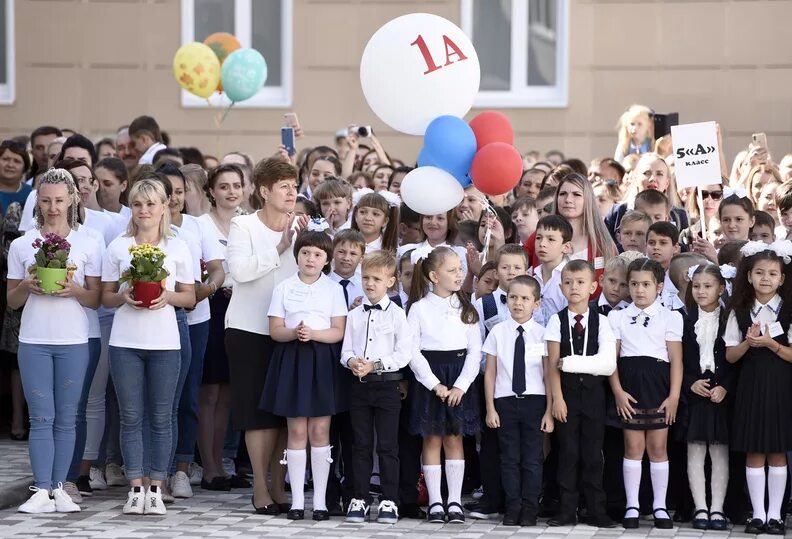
x=431, y=190
x=418, y=67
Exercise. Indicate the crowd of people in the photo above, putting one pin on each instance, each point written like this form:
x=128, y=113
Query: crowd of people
x=572, y=349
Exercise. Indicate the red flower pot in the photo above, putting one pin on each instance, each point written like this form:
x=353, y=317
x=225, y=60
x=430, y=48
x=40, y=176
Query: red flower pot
x=146, y=292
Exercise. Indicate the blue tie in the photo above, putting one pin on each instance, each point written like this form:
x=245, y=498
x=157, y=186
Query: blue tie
x=518, y=370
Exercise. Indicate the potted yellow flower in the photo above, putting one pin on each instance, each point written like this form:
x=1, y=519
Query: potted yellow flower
x=146, y=273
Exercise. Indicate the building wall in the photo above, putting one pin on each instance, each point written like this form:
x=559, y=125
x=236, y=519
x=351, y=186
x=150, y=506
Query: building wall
x=93, y=65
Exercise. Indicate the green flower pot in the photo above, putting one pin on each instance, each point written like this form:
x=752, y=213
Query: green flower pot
x=49, y=277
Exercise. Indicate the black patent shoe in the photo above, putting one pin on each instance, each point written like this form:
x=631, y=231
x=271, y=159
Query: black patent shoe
x=455, y=513
x=436, y=516
x=284, y=507
x=755, y=526
x=774, y=527
x=296, y=514
x=631, y=523
x=271, y=509
x=237, y=481
x=219, y=483
x=321, y=515
x=511, y=518
x=527, y=517
x=662, y=523
x=701, y=523
x=718, y=524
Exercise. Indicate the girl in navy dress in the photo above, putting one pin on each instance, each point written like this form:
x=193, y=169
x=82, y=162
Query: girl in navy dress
x=307, y=318
x=708, y=382
x=447, y=355
x=646, y=385
x=758, y=336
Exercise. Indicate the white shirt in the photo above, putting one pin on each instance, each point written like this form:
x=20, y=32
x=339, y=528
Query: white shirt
x=94, y=331
x=644, y=338
x=669, y=296
x=50, y=319
x=148, y=157
x=603, y=363
x=256, y=267
x=436, y=325
x=221, y=240
x=375, y=245
x=315, y=304
x=602, y=300
x=119, y=221
x=208, y=249
x=28, y=221
x=103, y=223
x=354, y=289
x=553, y=299
x=764, y=314
x=500, y=343
x=147, y=329
x=382, y=335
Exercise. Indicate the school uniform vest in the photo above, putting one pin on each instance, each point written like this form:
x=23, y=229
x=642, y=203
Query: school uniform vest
x=571, y=343
x=490, y=310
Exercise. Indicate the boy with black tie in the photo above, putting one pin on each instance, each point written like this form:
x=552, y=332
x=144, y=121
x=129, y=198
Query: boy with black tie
x=581, y=351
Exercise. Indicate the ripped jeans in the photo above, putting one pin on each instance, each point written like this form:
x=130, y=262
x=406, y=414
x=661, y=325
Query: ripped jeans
x=52, y=378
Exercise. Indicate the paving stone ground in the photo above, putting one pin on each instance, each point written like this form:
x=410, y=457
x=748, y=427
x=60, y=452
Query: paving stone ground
x=14, y=461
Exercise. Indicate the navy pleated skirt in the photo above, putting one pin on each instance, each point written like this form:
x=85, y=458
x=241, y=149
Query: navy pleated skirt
x=647, y=380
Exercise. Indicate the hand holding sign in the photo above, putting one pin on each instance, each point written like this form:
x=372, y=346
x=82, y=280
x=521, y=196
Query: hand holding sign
x=418, y=67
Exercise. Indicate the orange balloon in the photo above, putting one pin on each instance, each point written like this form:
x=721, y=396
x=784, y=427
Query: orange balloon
x=222, y=44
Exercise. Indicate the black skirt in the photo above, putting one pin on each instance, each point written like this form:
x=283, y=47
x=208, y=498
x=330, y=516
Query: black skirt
x=248, y=360
x=706, y=420
x=305, y=379
x=215, y=367
x=648, y=381
x=762, y=404
x=429, y=416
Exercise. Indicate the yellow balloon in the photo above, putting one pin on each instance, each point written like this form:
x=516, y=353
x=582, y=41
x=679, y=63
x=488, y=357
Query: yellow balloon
x=197, y=69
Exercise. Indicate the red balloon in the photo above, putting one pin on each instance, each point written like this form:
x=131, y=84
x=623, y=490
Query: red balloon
x=492, y=126
x=496, y=168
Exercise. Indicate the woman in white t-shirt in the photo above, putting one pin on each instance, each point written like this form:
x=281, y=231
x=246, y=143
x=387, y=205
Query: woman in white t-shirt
x=53, y=338
x=144, y=343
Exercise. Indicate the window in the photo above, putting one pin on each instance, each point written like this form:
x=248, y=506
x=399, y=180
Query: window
x=265, y=25
x=7, y=71
x=522, y=47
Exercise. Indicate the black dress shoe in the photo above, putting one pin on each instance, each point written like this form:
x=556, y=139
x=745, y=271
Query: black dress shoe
x=600, y=521
x=511, y=518
x=237, y=481
x=662, y=522
x=284, y=507
x=219, y=483
x=527, y=517
x=562, y=520
x=774, y=527
x=701, y=523
x=436, y=514
x=631, y=523
x=755, y=526
x=296, y=514
x=321, y=515
x=455, y=513
x=412, y=510
x=720, y=524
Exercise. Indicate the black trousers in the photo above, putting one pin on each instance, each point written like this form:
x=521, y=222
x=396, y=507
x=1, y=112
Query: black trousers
x=580, y=442
x=375, y=405
x=521, y=450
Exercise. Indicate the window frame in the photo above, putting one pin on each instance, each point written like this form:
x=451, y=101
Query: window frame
x=521, y=94
x=8, y=90
x=268, y=97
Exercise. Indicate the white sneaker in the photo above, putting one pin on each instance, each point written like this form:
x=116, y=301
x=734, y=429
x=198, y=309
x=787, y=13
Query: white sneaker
x=63, y=502
x=195, y=473
x=135, y=502
x=40, y=502
x=180, y=486
x=72, y=490
x=165, y=492
x=229, y=467
x=115, y=476
x=97, y=480
x=154, y=504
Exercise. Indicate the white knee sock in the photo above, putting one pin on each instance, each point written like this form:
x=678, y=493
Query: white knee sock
x=631, y=469
x=776, y=483
x=295, y=463
x=696, y=453
x=433, y=475
x=719, y=454
x=320, y=468
x=659, y=472
x=455, y=474
x=755, y=477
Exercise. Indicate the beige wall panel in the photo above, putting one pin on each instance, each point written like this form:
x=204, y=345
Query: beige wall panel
x=114, y=37
x=625, y=34
x=758, y=32
x=44, y=95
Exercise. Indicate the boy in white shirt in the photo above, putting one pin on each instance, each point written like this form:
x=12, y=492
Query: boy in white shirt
x=519, y=401
x=662, y=243
x=553, y=244
x=348, y=249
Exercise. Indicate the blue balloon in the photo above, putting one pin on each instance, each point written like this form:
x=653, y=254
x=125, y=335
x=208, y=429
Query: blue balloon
x=427, y=160
x=243, y=74
x=451, y=144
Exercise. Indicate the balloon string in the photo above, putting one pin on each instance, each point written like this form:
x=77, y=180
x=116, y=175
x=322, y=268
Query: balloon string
x=488, y=234
x=225, y=113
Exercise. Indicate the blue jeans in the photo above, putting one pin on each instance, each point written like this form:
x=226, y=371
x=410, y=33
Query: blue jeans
x=94, y=350
x=145, y=382
x=53, y=377
x=188, y=405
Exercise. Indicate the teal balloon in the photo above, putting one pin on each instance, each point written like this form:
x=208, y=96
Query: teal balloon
x=243, y=74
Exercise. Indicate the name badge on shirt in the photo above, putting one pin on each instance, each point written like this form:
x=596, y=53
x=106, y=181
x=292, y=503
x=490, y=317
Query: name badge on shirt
x=775, y=329
x=535, y=349
x=297, y=294
x=599, y=262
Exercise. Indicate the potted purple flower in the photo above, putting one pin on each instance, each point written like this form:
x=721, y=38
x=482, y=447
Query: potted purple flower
x=52, y=262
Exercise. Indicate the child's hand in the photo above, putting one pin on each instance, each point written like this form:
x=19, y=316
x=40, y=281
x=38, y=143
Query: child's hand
x=473, y=258
x=701, y=388
x=547, y=423
x=559, y=409
x=493, y=420
x=717, y=394
x=454, y=397
x=356, y=303
x=441, y=391
x=705, y=248
x=304, y=333
x=669, y=406
x=623, y=404
x=404, y=387
x=757, y=340
x=365, y=367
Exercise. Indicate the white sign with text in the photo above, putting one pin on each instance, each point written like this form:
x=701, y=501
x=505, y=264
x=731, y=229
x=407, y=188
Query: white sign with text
x=696, y=154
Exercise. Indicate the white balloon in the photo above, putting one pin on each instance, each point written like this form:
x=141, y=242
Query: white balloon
x=431, y=190
x=418, y=67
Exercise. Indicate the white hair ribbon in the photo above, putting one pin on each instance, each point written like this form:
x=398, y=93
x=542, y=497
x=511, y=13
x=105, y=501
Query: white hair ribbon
x=317, y=224
x=728, y=271
x=782, y=248
x=420, y=253
x=357, y=195
x=691, y=271
x=394, y=201
x=740, y=192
